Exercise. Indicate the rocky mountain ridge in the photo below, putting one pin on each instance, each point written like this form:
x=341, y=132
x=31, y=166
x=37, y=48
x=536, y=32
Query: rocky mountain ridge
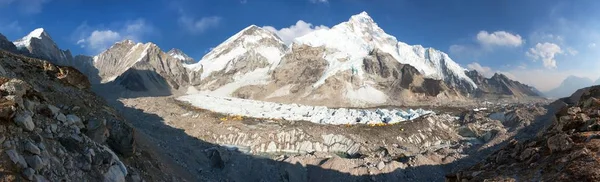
x=358, y=70
x=335, y=67
x=500, y=85
x=565, y=151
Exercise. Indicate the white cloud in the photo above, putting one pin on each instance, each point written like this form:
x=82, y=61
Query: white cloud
x=100, y=39
x=592, y=45
x=299, y=29
x=483, y=70
x=545, y=52
x=97, y=40
x=198, y=26
x=572, y=51
x=499, y=38
x=319, y=1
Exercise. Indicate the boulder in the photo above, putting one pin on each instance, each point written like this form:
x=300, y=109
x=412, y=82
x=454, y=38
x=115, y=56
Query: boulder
x=35, y=162
x=29, y=174
x=32, y=148
x=7, y=109
x=15, y=87
x=16, y=158
x=61, y=117
x=114, y=174
x=527, y=153
x=73, y=119
x=50, y=110
x=559, y=142
x=24, y=120
x=97, y=130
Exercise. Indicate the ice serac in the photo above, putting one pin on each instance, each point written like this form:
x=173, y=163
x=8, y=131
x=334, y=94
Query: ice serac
x=499, y=85
x=178, y=54
x=141, y=68
x=349, y=42
x=244, y=59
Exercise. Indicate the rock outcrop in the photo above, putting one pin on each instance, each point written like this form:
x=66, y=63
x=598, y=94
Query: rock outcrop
x=141, y=68
x=50, y=129
x=565, y=151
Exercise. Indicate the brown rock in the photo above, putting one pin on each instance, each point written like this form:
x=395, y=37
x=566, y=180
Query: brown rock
x=527, y=153
x=7, y=109
x=559, y=142
x=573, y=110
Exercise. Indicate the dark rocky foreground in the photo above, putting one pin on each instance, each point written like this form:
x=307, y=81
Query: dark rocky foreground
x=53, y=128
x=567, y=150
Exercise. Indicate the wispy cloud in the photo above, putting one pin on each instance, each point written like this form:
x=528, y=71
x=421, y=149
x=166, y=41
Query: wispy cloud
x=484, y=70
x=97, y=39
x=499, y=38
x=197, y=26
x=25, y=6
x=301, y=28
x=319, y=1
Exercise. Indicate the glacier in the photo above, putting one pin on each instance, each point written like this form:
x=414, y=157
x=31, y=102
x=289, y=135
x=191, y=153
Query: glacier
x=297, y=112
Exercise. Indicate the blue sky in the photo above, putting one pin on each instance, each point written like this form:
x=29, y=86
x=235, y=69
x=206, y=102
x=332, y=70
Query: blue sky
x=538, y=42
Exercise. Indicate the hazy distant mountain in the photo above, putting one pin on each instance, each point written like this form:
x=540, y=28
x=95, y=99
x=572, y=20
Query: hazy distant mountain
x=568, y=86
x=597, y=82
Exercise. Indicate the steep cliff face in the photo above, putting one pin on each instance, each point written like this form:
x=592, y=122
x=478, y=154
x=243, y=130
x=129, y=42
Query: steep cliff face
x=141, y=67
x=39, y=44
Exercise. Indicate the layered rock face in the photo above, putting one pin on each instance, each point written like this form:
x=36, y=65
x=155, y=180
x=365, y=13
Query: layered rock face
x=500, y=85
x=141, y=67
x=565, y=151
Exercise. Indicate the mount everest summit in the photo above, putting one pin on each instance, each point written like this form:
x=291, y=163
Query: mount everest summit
x=355, y=63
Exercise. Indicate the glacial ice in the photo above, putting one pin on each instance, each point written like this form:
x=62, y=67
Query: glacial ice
x=297, y=112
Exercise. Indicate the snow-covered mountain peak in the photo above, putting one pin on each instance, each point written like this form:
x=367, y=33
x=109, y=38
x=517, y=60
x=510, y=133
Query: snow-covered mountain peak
x=352, y=41
x=250, y=40
x=179, y=55
x=362, y=18
x=38, y=33
x=127, y=42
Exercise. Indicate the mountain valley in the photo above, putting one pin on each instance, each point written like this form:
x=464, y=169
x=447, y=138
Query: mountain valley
x=347, y=103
